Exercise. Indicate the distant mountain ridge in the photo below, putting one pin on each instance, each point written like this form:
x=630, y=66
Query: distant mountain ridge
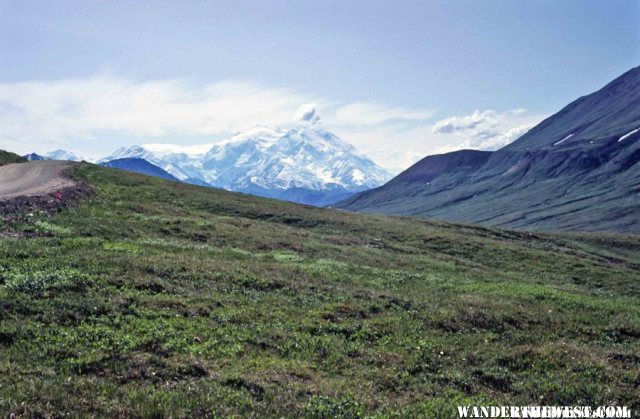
x=34, y=157
x=577, y=170
x=305, y=164
x=139, y=166
x=53, y=155
x=62, y=155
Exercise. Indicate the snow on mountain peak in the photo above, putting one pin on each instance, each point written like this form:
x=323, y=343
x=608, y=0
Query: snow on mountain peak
x=261, y=135
x=62, y=155
x=171, y=158
x=189, y=150
x=303, y=157
x=263, y=157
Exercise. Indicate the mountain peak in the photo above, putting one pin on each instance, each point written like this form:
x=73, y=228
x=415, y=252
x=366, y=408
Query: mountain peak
x=301, y=157
x=62, y=155
x=138, y=165
x=260, y=134
x=265, y=159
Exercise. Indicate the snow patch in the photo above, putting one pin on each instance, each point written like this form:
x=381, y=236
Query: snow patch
x=326, y=176
x=358, y=177
x=563, y=140
x=629, y=134
x=262, y=135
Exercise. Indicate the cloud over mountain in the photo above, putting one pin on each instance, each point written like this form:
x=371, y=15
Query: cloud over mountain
x=308, y=113
x=94, y=115
x=485, y=130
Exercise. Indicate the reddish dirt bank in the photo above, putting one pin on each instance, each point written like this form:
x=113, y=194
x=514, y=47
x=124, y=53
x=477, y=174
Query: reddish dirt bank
x=33, y=178
x=40, y=185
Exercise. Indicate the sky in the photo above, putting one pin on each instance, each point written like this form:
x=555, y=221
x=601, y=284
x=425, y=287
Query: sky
x=398, y=79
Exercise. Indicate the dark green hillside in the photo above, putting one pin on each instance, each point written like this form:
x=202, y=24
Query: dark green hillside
x=155, y=298
x=607, y=114
x=578, y=170
x=7, y=157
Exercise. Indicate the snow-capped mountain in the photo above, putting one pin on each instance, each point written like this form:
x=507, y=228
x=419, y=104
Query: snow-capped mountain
x=173, y=160
x=302, y=157
x=227, y=161
x=304, y=164
x=34, y=157
x=54, y=155
x=62, y=155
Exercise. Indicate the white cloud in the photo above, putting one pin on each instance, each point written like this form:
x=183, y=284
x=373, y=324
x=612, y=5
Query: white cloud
x=395, y=146
x=363, y=113
x=478, y=121
x=484, y=130
x=308, y=113
x=73, y=109
x=94, y=116
x=400, y=144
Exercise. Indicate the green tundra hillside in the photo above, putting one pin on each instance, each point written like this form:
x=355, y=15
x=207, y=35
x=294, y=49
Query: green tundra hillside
x=153, y=298
x=7, y=157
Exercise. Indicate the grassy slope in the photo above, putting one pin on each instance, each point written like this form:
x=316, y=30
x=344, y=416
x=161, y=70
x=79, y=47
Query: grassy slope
x=7, y=157
x=158, y=298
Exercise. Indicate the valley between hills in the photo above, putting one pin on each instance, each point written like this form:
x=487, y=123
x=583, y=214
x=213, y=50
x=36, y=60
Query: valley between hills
x=145, y=297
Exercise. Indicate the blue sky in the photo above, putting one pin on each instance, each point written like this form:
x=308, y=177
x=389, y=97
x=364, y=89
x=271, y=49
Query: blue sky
x=384, y=75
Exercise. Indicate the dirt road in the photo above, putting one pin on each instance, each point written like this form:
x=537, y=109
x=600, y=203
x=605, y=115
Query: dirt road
x=33, y=178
